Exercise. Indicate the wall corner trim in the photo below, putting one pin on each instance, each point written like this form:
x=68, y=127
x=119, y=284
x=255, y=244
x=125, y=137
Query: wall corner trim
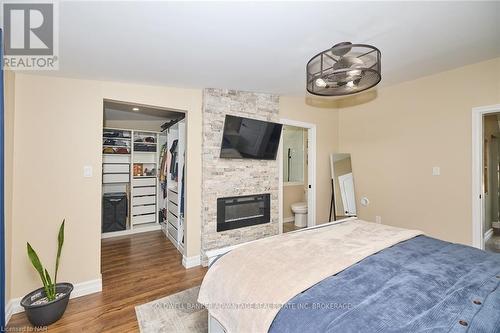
x=190, y=262
x=80, y=289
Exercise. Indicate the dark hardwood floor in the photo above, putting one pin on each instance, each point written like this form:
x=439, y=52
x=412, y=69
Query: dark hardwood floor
x=135, y=270
x=290, y=226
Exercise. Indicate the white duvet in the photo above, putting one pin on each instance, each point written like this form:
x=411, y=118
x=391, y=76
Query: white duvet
x=245, y=288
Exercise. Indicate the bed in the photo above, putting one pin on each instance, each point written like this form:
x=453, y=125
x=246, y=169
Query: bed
x=356, y=276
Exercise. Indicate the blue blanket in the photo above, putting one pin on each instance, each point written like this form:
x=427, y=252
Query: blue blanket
x=420, y=285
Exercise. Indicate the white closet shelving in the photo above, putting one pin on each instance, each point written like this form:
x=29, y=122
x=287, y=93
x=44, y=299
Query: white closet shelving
x=131, y=166
x=116, y=164
x=173, y=227
x=144, y=210
x=116, y=157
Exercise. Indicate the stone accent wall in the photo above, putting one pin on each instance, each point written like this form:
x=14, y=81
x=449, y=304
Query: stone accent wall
x=232, y=177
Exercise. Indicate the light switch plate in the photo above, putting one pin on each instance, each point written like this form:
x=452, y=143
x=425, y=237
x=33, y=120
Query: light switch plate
x=436, y=171
x=87, y=171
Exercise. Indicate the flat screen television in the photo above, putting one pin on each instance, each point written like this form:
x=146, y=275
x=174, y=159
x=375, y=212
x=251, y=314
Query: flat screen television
x=250, y=138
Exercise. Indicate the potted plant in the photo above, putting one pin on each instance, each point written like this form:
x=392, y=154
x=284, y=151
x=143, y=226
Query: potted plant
x=46, y=305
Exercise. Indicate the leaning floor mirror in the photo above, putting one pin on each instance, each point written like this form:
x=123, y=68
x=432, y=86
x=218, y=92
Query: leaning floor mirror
x=343, y=199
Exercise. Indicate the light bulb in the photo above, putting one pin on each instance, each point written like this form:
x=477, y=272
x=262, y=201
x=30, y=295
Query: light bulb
x=350, y=84
x=320, y=83
x=135, y=109
x=354, y=72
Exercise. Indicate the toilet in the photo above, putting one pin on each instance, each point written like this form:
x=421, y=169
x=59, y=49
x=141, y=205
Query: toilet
x=299, y=209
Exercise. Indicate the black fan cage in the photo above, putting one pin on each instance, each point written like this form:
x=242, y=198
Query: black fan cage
x=344, y=69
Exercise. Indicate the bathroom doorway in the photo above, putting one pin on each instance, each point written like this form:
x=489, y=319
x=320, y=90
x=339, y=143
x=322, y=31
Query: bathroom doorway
x=297, y=175
x=486, y=178
x=491, y=184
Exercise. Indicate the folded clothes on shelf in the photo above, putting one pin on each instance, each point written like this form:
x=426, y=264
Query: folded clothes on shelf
x=116, y=134
x=117, y=150
x=111, y=134
x=147, y=139
x=144, y=147
x=122, y=150
x=115, y=142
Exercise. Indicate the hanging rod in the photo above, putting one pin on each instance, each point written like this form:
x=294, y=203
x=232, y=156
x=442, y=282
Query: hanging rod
x=170, y=123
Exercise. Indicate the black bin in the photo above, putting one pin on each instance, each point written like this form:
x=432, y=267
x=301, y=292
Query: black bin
x=114, y=212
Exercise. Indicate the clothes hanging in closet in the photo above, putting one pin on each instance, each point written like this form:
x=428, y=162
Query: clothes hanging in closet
x=165, y=158
x=164, y=163
x=173, y=163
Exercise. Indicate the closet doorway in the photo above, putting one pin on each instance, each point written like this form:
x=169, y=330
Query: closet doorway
x=143, y=176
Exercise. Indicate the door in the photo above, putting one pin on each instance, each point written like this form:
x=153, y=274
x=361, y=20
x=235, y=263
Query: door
x=346, y=184
x=310, y=156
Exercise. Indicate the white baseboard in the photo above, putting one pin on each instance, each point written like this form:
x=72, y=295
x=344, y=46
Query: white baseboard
x=134, y=230
x=189, y=262
x=80, y=289
x=488, y=235
x=87, y=288
x=288, y=219
x=12, y=307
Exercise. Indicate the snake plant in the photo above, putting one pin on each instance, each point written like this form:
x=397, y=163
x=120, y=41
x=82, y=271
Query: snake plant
x=49, y=285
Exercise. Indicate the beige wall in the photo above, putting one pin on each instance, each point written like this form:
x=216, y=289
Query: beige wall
x=9, y=84
x=327, y=140
x=396, y=139
x=58, y=125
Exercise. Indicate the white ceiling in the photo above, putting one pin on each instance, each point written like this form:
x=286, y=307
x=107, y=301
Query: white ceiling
x=261, y=46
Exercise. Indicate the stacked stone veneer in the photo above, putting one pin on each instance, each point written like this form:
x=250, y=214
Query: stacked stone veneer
x=223, y=177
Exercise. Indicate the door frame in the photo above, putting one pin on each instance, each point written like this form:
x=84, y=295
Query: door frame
x=2, y=189
x=477, y=172
x=311, y=171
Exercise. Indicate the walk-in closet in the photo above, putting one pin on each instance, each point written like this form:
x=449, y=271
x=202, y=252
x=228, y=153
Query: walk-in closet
x=143, y=171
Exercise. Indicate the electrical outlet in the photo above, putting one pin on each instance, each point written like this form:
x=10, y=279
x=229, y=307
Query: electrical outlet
x=378, y=219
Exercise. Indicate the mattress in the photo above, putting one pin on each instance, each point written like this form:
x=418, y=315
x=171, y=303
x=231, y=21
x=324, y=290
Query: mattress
x=419, y=285
x=244, y=290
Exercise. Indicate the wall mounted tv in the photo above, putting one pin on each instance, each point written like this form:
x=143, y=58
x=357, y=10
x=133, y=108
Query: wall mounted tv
x=250, y=138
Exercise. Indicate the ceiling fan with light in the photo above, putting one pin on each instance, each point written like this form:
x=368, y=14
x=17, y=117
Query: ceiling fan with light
x=344, y=69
